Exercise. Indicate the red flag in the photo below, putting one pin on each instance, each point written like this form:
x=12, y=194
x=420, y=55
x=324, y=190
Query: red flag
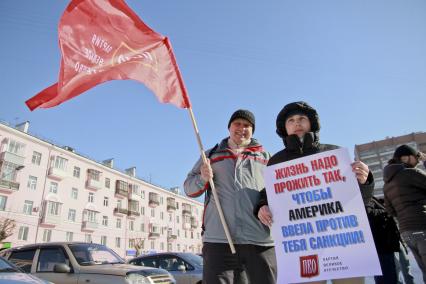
x=102, y=40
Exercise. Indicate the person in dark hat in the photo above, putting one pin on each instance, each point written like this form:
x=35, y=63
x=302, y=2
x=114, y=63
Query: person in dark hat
x=235, y=165
x=405, y=198
x=298, y=125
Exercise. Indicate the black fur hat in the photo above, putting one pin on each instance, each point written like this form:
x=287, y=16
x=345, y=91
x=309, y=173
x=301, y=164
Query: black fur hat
x=297, y=108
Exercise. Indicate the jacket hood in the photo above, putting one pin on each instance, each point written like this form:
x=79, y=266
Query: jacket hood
x=297, y=108
x=391, y=170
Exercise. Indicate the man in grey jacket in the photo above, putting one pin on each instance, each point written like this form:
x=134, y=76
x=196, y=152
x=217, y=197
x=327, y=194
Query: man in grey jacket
x=236, y=166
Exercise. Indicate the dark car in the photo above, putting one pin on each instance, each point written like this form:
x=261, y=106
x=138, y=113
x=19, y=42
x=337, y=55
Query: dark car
x=187, y=268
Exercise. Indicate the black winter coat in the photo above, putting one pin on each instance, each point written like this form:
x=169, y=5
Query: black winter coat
x=405, y=196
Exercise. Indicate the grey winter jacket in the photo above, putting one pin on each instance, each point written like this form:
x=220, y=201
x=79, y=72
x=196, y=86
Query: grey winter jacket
x=405, y=196
x=238, y=180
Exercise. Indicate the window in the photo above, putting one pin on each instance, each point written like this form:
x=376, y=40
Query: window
x=103, y=240
x=53, y=187
x=16, y=148
x=71, y=215
x=49, y=257
x=161, y=215
x=143, y=194
x=54, y=208
x=142, y=227
x=152, y=245
x=47, y=235
x=76, y=172
x=74, y=193
x=131, y=243
x=119, y=203
x=143, y=210
x=60, y=163
x=152, y=212
x=161, y=246
x=170, y=217
x=131, y=225
x=106, y=201
x=28, y=207
x=32, y=183
x=107, y=183
x=90, y=216
x=36, y=159
x=88, y=238
x=69, y=236
x=3, y=200
x=161, y=200
x=105, y=221
x=23, y=259
x=8, y=171
x=23, y=233
x=177, y=219
x=118, y=224
x=118, y=242
x=91, y=198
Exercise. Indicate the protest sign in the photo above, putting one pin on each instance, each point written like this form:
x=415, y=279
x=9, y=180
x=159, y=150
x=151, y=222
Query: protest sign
x=320, y=227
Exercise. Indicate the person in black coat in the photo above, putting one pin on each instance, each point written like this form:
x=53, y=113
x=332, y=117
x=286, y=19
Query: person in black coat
x=386, y=238
x=405, y=198
x=298, y=125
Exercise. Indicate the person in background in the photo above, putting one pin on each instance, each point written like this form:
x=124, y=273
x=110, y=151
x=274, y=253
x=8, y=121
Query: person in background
x=386, y=238
x=298, y=125
x=236, y=166
x=405, y=198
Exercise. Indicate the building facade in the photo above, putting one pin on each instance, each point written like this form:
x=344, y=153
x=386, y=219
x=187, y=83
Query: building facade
x=55, y=194
x=376, y=154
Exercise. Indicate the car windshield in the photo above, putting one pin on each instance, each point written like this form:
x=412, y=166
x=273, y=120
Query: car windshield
x=7, y=267
x=92, y=254
x=193, y=259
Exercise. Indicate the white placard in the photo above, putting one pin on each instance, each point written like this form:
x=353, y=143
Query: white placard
x=320, y=227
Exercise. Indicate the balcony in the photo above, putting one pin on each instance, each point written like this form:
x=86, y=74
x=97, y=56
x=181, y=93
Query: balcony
x=51, y=220
x=89, y=226
x=171, y=236
x=12, y=158
x=8, y=186
x=56, y=173
x=154, y=199
x=171, y=204
x=93, y=184
x=120, y=211
x=194, y=223
x=153, y=235
x=133, y=213
x=121, y=188
x=186, y=209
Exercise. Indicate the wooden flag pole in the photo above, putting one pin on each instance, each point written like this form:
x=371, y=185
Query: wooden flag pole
x=213, y=188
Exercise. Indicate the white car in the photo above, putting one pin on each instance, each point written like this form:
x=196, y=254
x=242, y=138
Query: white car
x=73, y=263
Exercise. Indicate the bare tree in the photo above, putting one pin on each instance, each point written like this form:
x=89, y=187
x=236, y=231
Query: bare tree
x=139, y=245
x=7, y=226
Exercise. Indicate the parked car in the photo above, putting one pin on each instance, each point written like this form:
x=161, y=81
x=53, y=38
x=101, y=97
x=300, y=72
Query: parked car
x=187, y=268
x=72, y=263
x=11, y=274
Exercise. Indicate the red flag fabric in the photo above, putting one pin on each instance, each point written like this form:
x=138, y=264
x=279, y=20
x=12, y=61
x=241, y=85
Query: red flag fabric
x=102, y=40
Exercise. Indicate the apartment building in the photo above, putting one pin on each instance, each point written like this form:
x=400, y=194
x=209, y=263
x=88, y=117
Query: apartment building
x=56, y=194
x=376, y=154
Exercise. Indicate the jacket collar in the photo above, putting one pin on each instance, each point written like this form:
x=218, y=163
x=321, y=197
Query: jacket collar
x=254, y=145
x=310, y=142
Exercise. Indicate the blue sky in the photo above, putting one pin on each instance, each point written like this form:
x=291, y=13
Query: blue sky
x=361, y=63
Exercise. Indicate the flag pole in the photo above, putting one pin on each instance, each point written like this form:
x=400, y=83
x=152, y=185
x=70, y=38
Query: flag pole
x=213, y=188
